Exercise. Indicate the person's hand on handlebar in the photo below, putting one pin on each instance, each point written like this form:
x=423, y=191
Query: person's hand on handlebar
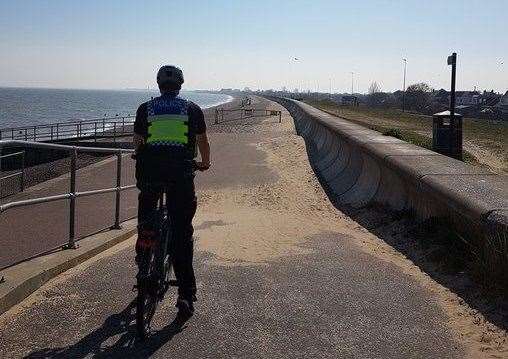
x=202, y=166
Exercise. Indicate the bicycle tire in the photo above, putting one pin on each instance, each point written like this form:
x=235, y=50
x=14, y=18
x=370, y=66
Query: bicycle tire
x=146, y=303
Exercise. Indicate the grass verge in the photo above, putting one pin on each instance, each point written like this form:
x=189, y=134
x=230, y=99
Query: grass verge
x=485, y=257
x=489, y=137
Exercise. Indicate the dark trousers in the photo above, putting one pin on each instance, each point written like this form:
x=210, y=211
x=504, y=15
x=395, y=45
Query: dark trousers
x=181, y=200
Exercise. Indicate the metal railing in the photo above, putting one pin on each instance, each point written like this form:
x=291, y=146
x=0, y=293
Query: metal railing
x=246, y=113
x=72, y=195
x=20, y=173
x=92, y=128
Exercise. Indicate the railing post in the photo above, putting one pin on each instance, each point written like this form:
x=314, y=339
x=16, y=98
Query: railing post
x=72, y=206
x=103, y=126
x=57, y=131
x=51, y=132
x=23, y=171
x=118, y=192
x=123, y=125
x=26, y=134
x=35, y=134
x=1, y=178
x=280, y=116
x=95, y=132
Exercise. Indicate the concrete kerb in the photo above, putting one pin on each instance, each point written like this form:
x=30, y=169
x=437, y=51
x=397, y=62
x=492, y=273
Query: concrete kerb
x=25, y=278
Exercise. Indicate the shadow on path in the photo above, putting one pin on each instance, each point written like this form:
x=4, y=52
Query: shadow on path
x=94, y=344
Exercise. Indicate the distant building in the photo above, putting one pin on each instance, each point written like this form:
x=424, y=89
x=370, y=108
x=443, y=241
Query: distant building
x=467, y=98
x=350, y=100
x=490, y=98
x=462, y=98
x=503, y=104
x=442, y=97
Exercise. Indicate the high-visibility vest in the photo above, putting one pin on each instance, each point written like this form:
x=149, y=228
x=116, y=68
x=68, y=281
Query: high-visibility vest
x=168, y=122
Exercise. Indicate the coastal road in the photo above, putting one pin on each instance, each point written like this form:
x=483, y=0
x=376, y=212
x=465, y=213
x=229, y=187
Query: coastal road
x=281, y=274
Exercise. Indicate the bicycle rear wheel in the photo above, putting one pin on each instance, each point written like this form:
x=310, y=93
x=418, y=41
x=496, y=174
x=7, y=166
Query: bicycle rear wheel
x=147, y=294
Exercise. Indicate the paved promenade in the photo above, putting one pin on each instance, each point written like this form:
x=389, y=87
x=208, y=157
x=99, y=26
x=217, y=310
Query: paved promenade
x=281, y=274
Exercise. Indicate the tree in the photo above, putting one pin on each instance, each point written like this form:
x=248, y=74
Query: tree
x=418, y=97
x=376, y=98
x=381, y=99
x=374, y=88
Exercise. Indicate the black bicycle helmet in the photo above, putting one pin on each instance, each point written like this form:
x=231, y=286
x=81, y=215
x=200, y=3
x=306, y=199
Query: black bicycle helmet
x=169, y=74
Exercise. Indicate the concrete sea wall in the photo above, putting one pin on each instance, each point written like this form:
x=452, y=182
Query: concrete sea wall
x=361, y=166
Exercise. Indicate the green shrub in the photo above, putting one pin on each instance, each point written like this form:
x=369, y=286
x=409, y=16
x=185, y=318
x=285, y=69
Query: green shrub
x=393, y=132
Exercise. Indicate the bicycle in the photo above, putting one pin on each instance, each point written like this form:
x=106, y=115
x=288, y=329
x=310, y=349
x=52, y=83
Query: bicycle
x=155, y=262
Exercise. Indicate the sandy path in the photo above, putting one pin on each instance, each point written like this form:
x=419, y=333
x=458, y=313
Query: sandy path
x=295, y=207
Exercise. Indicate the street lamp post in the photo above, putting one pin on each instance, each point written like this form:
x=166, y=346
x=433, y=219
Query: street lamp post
x=352, y=82
x=404, y=87
x=452, y=60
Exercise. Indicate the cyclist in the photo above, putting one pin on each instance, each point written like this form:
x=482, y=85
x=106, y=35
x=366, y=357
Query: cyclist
x=166, y=132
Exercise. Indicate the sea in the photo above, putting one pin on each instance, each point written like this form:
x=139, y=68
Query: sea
x=37, y=106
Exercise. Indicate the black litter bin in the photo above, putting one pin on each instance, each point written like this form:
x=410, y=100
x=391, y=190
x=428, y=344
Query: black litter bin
x=447, y=134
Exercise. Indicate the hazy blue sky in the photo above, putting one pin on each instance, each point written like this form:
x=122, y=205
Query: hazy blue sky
x=219, y=43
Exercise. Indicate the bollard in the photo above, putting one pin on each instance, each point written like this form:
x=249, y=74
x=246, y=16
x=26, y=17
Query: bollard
x=118, y=192
x=72, y=204
x=280, y=116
